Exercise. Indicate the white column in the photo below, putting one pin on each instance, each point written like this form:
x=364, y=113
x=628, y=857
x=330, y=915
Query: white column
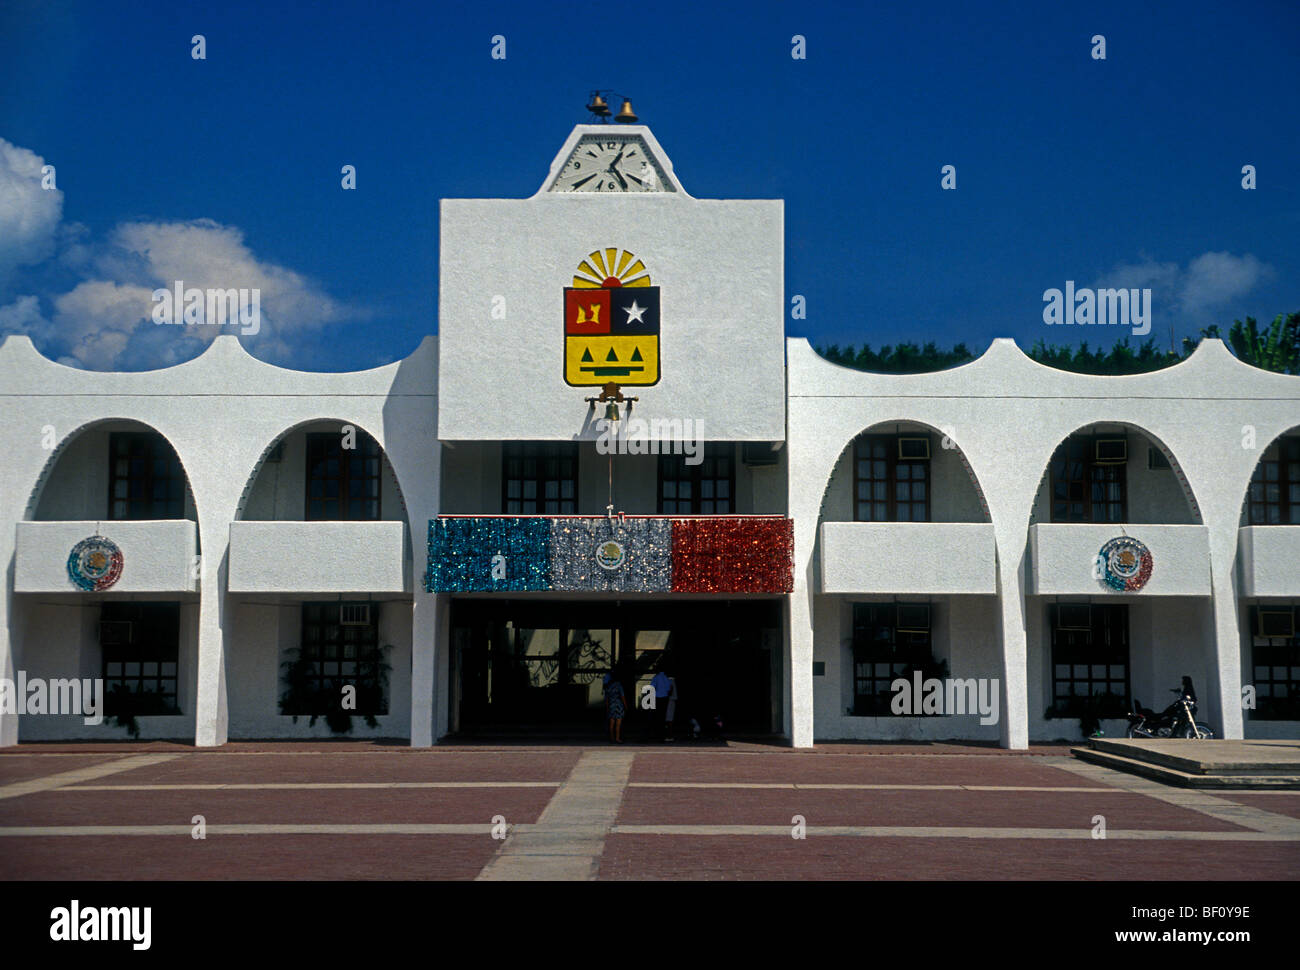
x=799, y=671
x=1225, y=652
x=211, y=707
x=9, y=660
x=424, y=668
x=1013, y=639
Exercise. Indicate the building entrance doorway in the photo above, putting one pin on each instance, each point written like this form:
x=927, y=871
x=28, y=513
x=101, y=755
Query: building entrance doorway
x=530, y=665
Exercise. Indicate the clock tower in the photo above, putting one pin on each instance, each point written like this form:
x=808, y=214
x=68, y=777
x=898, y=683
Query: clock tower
x=610, y=273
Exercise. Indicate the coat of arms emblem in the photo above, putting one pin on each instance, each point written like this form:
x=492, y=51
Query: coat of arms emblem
x=611, y=322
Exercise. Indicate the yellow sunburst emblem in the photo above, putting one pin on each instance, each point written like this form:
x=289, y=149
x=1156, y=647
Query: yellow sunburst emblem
x=611, y=267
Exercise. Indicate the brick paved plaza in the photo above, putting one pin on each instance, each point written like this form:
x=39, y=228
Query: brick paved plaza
x=358, y=810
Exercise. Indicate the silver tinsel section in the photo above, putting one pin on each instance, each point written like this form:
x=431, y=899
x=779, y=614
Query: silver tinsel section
x=647, y=565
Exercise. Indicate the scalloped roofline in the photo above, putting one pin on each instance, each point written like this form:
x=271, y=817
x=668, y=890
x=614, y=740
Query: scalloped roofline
x=1005, y=349
x=1001, y=349
x=226, y=347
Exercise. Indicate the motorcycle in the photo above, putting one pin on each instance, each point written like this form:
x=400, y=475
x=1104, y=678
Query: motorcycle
x=1178, y=720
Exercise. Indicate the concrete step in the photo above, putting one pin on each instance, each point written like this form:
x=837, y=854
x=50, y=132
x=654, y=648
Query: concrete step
x=1202, y=757
x=1158, y=771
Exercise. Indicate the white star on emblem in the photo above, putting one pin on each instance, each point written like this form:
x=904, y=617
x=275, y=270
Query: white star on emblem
x=634, y=312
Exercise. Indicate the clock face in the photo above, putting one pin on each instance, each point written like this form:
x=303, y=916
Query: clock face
x=611, y=163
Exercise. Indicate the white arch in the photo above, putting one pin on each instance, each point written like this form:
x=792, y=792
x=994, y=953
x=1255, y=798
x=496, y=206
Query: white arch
x=1188, y=493
x=1245, y=493
x=260, y=464
x=961, y=456
x=52, y=462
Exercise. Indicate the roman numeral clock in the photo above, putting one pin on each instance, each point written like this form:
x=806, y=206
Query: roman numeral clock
x=612, y=161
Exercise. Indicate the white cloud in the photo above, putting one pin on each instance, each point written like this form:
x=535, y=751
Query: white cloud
x=29, y=214
x=206, y=254
x=1161, y=277
x=24, y=316
x=1213, y=279
x=105, y=321
x=1196, y=292
x=96, y=320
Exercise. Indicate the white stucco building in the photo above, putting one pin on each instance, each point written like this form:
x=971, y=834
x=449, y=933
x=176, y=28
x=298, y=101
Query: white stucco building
x=449, y=535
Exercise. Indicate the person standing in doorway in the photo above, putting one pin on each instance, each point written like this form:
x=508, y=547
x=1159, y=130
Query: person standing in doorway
x=662, y=684
x=615, y=708
x=670, y=709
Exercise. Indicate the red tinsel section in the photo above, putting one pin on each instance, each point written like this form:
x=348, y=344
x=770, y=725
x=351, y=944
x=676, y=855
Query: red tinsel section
x=733, y=555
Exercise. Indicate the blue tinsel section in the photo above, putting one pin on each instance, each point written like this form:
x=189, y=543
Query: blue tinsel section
x=461, y=554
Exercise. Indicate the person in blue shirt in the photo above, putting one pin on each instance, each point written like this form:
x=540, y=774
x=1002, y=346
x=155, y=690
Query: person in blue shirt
x=663, y=686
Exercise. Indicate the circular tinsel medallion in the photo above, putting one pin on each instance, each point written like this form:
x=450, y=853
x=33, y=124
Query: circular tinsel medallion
x=95, y=564
x=609, y=554
x=1124, y=564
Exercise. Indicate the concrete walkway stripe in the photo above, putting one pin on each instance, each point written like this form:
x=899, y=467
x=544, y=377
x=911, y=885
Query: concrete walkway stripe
x=378, y=828
x=62, y=778
x=62, y=754
x=1198, y=801
x=294, y=785
x=803, y=786
x=403, y=750
x=950, y=832
x=556, y=849
x=567, y=841
x=345, y=748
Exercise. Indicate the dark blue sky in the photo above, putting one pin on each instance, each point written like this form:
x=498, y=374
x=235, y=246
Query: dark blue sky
x=1124, y=169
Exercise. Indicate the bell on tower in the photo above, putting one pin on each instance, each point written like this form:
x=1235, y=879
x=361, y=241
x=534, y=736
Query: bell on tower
x=598, y=106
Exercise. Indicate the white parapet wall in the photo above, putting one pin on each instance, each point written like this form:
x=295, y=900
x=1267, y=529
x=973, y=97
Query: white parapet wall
x=908, y=557
x=1268, y=560
x=322, y=557
x=1063, y=558
x=158, y=556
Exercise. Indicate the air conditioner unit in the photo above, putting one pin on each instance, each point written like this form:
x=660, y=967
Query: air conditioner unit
x=1110, y=451
x=354, y=614
x=914, y=449
x=913, y=619
x=1074, y=616
x=1277, y=623
x=114, y=633
x=758, y=453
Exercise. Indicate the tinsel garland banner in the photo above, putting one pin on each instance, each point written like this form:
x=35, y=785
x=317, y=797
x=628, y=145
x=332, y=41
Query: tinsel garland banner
x=733, y=555
x=593, y=554
x=477, y=555
x=643, y=562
